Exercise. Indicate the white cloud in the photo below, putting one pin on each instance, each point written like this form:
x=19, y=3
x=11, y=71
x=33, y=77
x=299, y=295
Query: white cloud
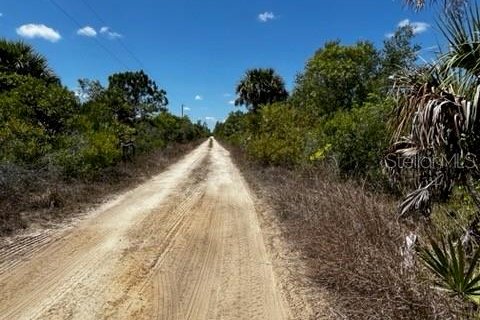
x=432, y=48
x=389, y=35
x=232, y=102
x=227, y=95
x=1, y=14
x=198, y=97
x=114, y=35
x=109, y=33
x=266, y=16
x=186, y=109
x=32, y=31
x=418, y=27
x=210, y=118
x=87, y=31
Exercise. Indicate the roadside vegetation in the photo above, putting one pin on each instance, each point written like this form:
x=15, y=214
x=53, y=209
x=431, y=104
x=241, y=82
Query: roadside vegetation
x=54, y=142
x=371, y=165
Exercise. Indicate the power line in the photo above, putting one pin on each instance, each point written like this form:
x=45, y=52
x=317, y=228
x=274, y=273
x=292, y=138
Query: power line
x=106, y=49
x=122, y=43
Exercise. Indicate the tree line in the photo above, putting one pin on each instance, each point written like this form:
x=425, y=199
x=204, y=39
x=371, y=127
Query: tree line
x=337, y=110
x=44, y=125
x=380, y=115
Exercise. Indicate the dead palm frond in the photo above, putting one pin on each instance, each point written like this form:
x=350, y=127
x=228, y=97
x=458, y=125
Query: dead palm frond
x=436, y=138
x=436, y=123
x=448, y=5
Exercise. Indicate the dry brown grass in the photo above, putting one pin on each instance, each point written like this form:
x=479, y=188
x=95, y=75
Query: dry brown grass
x=350, y=240
x=30, y=197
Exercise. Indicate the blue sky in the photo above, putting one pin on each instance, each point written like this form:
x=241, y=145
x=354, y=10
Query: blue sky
x=198, y=50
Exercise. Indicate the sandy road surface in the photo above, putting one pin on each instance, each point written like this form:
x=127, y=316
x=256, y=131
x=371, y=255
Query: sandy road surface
x=184, y=245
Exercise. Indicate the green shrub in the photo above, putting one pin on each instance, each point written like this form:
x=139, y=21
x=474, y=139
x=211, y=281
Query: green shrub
x=48, y=106
x=86, y=153
x=237, y=128
x=280, y=135
x=43, y=124
x=149, y=137
x=358, y=138
x=21, y=142
x=32, y=113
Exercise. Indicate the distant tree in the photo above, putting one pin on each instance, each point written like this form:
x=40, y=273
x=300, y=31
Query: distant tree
x=337, y=77
x=140, y=94
x=202, y=129
x=260, y=87
x=20, y=58
x=90, y=90
x=237, y=127
x=399, y=52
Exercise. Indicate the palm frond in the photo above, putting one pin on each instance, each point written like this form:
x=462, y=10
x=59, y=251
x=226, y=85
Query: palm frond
x=448, y=5
x=463, y=36
x=21, y=58
x=417, y=201
x=435, y=121
x=455, y=271
x=260, y=87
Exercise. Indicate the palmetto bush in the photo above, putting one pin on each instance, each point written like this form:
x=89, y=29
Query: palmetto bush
x=441, y=147
x=436, y=144
x=454, y=270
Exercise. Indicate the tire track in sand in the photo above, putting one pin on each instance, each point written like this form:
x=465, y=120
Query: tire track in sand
x=185, y=245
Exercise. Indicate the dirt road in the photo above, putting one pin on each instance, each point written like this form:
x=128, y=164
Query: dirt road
x=184, y=245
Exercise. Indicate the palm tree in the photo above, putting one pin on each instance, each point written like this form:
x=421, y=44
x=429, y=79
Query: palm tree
x=21, y=58
x=260, y=87
x=437, y=139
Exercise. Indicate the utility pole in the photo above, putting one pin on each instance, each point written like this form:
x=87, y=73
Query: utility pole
x=182, y=109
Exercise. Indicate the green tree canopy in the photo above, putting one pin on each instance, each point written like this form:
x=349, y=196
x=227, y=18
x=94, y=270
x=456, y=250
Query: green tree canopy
x=90, y=90
x=49, y=106
x=399, y=52
x=260, y=87
x=20, y=58
x=337, y=77
x=141, y=93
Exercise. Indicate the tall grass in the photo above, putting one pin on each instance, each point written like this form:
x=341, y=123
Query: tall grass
x=31, y=196
x=351, y=241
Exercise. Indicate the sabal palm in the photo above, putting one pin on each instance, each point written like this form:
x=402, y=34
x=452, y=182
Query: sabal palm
x=260, y=87
x=21, y=58
x=437, y=121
